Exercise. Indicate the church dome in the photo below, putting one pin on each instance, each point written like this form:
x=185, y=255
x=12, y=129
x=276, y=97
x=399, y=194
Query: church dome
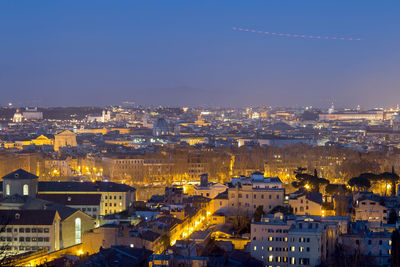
x=160, y=127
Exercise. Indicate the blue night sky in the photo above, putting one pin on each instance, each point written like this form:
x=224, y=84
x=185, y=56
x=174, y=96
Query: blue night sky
x=75, y=53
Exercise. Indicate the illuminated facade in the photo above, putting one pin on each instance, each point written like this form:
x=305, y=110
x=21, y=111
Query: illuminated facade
x=114, y=197
x=32, y=114
x=306, y=203
x=17, y=118
x=29, y=230
x=280, y=240
x=247, y=193
x=369, y=209
x=246, y=198
x=124, y=168
x=20, y=195
x=64, y=139
x=42, y=141
x=210, y=190
x=368, y=116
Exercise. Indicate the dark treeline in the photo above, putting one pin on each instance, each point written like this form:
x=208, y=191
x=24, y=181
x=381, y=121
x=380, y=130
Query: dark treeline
x=338, y=165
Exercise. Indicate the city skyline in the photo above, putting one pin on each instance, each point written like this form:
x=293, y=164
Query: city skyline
x=187, y=54
x=207, y=134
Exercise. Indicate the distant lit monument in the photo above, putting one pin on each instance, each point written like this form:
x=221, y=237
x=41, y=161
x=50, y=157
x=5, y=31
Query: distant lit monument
x=160, y=127
x=104, y=117
x=64, y=139
x=32, y=114
x=331, y=109
x=396, y=123
x=17, y=116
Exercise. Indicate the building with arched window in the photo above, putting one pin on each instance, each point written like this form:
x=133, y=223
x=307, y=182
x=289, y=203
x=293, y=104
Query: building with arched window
x=8, y=192
x=21, y=183
x=20, y=190
x=78, y=230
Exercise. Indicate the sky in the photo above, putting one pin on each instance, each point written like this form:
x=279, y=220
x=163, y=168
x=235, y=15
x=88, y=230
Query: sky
x=187, y=53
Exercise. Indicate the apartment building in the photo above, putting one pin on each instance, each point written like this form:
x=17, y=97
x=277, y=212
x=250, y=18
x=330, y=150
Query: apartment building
x=114, y=197
x=289, y=240
x=209, y=190
x=29, y=230
x=246, y=194
x=373, y=247
x=369, y=208
x=269, y=239
x=122, y=168
x=306, y=202
x=91, y=204
x=307, y=243
x=158, y=169
x=20, y=195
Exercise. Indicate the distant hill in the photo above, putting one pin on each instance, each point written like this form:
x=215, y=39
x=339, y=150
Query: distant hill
x=56, y=113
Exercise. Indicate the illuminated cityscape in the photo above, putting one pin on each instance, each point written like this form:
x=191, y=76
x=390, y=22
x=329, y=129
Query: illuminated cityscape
x=212, y=135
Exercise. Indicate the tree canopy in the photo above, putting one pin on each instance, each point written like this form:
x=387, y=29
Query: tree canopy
x=360, y=183
x=308, y=181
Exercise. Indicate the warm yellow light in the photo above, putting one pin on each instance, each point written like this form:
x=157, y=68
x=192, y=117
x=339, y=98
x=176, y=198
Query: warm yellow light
x=307, y=186
x=80, y=252
x=388, y=186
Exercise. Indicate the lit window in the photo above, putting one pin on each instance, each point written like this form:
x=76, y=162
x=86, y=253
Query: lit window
x=271, y=258
x=78, y=231
x=8, y=190
x=25, y=190
x=255, y=248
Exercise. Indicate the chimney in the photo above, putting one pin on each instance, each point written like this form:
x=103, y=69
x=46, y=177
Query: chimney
x=204, y=180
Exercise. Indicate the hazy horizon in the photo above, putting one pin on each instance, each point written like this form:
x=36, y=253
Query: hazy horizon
x=172, y=53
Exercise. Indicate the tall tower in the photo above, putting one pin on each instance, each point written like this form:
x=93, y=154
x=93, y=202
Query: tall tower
x=106, y=115
x=331, y=109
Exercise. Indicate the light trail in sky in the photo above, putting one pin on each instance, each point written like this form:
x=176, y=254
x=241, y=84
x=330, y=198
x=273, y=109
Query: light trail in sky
x=295, y=35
